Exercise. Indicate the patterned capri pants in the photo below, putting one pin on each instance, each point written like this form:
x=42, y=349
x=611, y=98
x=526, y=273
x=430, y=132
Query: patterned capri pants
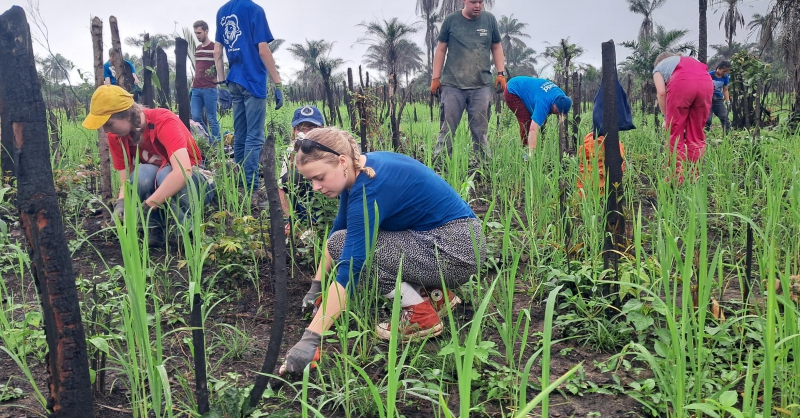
x=429, y=257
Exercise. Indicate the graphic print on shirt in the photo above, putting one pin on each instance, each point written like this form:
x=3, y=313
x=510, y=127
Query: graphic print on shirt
x=231, y=31
x=548, y=85
x=483, y=32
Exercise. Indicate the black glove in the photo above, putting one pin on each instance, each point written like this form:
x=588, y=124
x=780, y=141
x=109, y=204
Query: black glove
x=303, y=353
x=119, y=208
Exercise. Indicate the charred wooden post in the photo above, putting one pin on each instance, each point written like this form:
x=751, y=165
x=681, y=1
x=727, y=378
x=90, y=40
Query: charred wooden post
x=199, y=342
x=124, y=74
x=348, y=99
x=102, y=138
x=361, y=104
x=576, y=110
x=615, y=217
x=163, y=92
x=702, y=48
x=279, y=271
x=392, y=103
x=22, y=111
x=148, y=61
x=181, y=83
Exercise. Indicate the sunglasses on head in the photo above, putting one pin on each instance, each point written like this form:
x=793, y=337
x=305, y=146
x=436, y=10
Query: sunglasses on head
x=306, y=145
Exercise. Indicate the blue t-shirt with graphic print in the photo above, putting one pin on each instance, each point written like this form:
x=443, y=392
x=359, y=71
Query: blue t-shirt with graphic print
x=537, y=94
x=241, y=26
x=403, y=195
x=719, y=83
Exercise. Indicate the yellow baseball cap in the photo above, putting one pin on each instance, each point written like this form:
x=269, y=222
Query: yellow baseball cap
x=106, y=101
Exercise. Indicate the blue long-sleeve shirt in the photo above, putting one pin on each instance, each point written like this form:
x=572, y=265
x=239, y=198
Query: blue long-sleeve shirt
x=404, y=194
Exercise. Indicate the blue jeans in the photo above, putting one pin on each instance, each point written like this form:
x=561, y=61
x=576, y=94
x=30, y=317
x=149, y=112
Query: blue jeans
x=206, y=100
x=151, y=177
x=249, y=113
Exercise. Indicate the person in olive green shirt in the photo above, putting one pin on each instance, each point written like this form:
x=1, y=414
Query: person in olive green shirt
x=464, y=81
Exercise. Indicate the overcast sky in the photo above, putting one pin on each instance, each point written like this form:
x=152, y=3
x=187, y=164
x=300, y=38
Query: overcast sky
x=585, y=22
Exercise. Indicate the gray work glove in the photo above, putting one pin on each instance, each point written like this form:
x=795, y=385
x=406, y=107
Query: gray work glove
x=119, y=208
x=313, y=293
x=303, y=353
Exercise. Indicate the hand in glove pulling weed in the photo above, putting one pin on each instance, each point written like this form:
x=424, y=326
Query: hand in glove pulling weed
x=119, y=208
x=313, y=293
x=303, y=353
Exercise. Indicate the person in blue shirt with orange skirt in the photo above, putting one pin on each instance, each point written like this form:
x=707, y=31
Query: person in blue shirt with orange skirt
x=532, y=100
x=417, y=225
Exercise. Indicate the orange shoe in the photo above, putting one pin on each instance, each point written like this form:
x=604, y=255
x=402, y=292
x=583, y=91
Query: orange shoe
x=439, y=300
x=416, y=322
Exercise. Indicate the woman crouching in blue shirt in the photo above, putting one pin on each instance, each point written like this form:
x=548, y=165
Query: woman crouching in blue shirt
x=422, y=222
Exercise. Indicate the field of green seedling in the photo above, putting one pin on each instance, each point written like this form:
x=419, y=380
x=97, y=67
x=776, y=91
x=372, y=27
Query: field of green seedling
x=544, y=331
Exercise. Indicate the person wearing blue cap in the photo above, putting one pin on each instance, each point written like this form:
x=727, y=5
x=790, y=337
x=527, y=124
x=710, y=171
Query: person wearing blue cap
x=532, y=100
x=292, y=183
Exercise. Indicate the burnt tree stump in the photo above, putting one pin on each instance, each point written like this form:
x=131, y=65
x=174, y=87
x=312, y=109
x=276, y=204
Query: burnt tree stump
x=181, y=84
x=148, y=61
x=279, y=272
x=23, y=111
x=615, y=217
x=124, y=72
x=102, y=138
x=162, y=73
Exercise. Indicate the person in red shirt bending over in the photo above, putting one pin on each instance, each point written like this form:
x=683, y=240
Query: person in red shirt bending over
x=167, y=155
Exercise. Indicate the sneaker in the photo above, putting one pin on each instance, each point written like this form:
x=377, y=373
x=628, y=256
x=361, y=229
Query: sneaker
x=437, y=298
x=416, y=322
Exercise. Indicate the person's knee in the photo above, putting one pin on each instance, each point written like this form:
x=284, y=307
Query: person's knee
x=336, y=243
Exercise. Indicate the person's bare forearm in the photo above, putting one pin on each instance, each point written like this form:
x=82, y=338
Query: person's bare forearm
x=171, y=185
x=218, y=63
x=123, y=178
x=662, y=103
x=499, y=57
x=726, y=94
x=334, y=303
x=533, y=134
x=269, y=62
x=438, y=59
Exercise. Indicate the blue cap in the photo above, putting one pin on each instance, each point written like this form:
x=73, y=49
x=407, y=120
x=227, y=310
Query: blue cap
x=563, y=104
x=308, y=114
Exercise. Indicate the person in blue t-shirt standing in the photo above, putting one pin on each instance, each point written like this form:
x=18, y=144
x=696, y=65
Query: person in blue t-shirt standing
x=419, y=228
x=110, y=76
x=722, y=99
x=243, y=32
x=532, y=100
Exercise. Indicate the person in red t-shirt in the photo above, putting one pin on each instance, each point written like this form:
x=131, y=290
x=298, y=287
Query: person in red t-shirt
x=161, y=141
x=204, y=86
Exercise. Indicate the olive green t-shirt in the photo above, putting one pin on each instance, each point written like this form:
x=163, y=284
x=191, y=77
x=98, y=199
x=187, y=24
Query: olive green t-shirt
x=468, y=63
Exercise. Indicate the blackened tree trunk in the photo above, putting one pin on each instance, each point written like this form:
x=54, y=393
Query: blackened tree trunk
x=124, y=74
x=702, y=48
x=615, y=218
x=148, y=61
x=162, y=72
x=279, y=271
x=102, y=138
x=181, y=84
x=576, y=110
x=392, y=103
x=22, y=109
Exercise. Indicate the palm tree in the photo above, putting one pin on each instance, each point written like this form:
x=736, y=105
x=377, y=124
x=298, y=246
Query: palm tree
x=511, y=34
x=646, y=9
x=409, y=58
x=562, y=58
x=702, y=49
x=522, y=61
x=761, y=27
x=391, y=39
x=56, y=68
x=640, y=62
x=725, y=51
x=450, y=6
x=731, y=18
x=318, y=66
x=426, y=9
x=785, y=29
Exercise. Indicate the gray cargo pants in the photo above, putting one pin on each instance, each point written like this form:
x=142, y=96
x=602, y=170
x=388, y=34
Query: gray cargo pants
x=453, y=103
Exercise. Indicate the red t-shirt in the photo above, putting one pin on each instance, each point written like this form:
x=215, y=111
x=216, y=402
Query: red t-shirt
x=163, y=135
x=203, y=60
